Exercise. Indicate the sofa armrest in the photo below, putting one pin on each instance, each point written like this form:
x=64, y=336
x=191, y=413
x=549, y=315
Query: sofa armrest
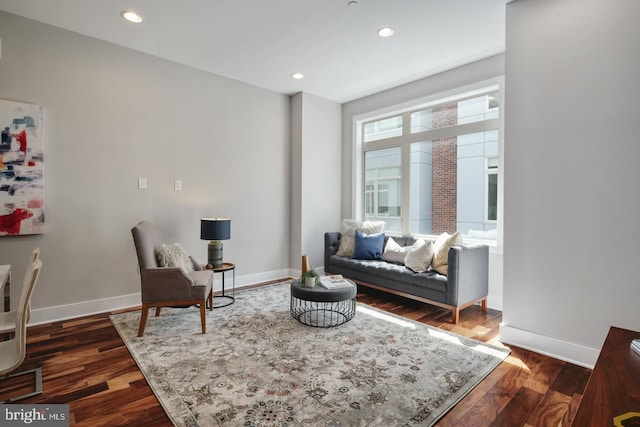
x=467, y=274
x=331, y=244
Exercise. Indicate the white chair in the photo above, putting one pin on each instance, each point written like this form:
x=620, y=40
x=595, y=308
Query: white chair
x=8, y=318
x=13, y=351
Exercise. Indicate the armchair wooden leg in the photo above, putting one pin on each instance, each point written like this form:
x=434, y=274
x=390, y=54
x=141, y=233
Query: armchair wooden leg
x=211, y=300
x=158, y=311
x=483, y=305
x=143, y=319
x=203, y=316
x=455, y=315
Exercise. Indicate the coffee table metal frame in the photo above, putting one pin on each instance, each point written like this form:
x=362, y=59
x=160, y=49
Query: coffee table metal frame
x=323, y=308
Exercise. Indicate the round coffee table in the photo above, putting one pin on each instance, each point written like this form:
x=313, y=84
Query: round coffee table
x=323, y=308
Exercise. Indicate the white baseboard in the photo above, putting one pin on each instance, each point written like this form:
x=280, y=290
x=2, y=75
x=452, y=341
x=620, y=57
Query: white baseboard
x=549, y=346
x=86, y=308
x=248, y=279
x=296, y=272
x=494, y=302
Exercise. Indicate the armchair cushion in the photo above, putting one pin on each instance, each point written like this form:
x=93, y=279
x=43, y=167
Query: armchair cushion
x=173, y=255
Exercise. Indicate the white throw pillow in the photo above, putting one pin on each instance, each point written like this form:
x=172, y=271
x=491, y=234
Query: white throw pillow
x=173, y=255
x=444, y=241
x=347, y=239
x=372, y=227
x=348, y=232
x=419, y=256
x=393, y=252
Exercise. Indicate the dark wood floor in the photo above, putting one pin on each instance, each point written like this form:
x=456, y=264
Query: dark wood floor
x=85, y=364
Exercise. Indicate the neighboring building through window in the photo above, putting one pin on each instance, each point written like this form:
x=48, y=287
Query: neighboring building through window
x=436, y=169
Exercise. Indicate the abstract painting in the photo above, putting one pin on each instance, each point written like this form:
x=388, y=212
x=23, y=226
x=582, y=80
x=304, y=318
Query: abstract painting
x=21, y=169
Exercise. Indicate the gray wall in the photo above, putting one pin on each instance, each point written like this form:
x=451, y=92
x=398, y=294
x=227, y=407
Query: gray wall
x=571, y=174
x=316, y=148
x=113, y=115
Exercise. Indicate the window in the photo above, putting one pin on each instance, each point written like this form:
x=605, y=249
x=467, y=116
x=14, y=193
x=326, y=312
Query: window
x=381, y=129
x=492, y=189
x=434, y=169
x=382, y=178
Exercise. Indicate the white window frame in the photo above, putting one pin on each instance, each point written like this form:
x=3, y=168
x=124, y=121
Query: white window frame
x=490, y=171
x=376, y=191
x=441, y=98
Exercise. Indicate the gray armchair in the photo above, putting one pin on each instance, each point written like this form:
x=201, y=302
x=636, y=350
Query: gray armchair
x=168, y=286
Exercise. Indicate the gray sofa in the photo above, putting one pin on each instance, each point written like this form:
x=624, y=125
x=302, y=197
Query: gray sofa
x=466, y=283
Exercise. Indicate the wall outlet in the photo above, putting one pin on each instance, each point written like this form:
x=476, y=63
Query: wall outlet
x=177, y=185
x=142, y=183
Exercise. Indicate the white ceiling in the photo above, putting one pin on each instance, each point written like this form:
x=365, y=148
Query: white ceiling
x=262, y=42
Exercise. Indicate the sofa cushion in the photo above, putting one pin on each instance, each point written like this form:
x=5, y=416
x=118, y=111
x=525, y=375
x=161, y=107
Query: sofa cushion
x=376, y=267
x=348, y=230
x=419, y=256
x=430, y=279
x=368, y=246
x=393, y=252
x=441, y=250
x=393, y=276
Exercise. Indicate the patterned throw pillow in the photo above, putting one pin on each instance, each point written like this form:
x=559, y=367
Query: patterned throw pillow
x=440, y=261
x=419, y=257
x=173, y=255
x=348, y=230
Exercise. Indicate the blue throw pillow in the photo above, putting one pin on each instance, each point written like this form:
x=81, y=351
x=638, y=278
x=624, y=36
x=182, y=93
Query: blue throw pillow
x=368, y=246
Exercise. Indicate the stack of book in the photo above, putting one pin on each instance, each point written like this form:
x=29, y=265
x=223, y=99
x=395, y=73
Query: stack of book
x=635, y=346
x=333, y=282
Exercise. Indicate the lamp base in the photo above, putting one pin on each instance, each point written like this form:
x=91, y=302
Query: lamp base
x=214, y=253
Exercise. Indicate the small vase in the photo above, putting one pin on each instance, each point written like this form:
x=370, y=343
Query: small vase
x=309, y=282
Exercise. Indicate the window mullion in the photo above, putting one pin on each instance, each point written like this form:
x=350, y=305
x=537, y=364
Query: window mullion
x=405, y=189
x=456, y=130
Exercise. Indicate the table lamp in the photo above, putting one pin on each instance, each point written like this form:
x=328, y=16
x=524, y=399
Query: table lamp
x=215, y=230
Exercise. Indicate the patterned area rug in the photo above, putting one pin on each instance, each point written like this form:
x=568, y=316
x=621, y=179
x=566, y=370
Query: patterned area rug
x=257, y=366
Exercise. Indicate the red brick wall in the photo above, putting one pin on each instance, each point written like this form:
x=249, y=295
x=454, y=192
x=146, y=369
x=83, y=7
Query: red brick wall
x=444, y=173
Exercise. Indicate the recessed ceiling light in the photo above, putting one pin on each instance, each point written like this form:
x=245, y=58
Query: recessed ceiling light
x=131, y=16
x=386, y=32
x=297, y=76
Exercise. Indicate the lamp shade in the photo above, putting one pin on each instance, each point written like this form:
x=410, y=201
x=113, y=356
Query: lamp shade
x=215, y=229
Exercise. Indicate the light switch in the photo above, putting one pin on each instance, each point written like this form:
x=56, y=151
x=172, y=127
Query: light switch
x=177, y=185
x=142, y=183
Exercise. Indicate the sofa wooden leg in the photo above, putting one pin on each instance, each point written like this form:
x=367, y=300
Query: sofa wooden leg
x=455, y=315
x=143, y=320
x=203, y=316
x=158, y=311
x=483, y=305
x=211, y=300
